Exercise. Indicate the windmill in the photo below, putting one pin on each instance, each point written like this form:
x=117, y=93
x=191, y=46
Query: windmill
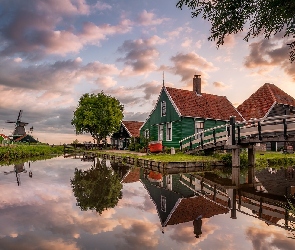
x=19, y=126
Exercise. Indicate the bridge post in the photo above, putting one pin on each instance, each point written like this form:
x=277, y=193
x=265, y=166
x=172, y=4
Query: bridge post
x=236, y=166
x=251, y=164
x=232, y=122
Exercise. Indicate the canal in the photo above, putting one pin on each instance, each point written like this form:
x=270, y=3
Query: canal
x=73, y=204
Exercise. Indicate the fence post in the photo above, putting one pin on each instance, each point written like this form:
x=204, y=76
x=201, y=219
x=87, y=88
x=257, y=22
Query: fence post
x=190, y=144
x=232, y=122
x=180, y=146
x=214, y=137
x=259, y=131
x=202, y=142
x=285, y=129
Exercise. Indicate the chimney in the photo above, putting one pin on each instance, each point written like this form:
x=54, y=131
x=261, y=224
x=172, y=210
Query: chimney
x=197, y=84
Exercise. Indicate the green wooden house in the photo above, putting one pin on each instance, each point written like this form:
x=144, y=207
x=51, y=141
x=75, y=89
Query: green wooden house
x=181, y=113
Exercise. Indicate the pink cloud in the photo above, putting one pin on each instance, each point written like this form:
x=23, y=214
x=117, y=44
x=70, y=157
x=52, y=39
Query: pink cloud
x=140, y=55
x=149, y=19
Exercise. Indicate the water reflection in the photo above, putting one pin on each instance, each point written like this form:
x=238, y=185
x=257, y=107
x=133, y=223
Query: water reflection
x=195, y=211
x=190, y=197
x=97, y=188
x=18, y=169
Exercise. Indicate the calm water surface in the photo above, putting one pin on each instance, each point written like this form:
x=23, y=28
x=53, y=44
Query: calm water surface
x=41, y=208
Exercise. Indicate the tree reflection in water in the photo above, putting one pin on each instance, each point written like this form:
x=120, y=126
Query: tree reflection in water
x=97, y=188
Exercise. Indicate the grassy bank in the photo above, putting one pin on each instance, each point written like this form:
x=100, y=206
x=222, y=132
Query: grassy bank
x=263, y=159
x=13, y=152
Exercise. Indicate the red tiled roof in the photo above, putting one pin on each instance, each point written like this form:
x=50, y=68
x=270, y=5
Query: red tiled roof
x=133, y=127
x=260, y=102
x=190, y=208
x=132, y=176
x=4, y=136
x=205, y=105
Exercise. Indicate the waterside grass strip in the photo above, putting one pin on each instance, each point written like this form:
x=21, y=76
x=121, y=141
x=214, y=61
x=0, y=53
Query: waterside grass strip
x=164, y=167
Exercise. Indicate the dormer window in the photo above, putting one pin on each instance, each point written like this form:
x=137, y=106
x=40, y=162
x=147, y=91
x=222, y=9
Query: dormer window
x=163, y=108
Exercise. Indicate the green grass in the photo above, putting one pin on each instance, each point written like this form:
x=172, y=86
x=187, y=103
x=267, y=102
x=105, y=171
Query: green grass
x=14, y=152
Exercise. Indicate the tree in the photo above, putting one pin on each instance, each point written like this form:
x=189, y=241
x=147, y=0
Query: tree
x=98, y=114
x=267, y=17
x=97, y=188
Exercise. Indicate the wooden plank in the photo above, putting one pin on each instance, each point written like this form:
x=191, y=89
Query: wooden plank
x=249, y=131
x=272, y=128
x=273, y=213
x=222, y=197
x=250, y=206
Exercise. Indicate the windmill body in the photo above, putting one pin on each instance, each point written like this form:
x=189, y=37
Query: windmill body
x=19, y=126
x=19, y=133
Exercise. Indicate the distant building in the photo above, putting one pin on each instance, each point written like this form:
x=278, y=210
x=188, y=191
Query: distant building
x=268, y=101
x=128, y=130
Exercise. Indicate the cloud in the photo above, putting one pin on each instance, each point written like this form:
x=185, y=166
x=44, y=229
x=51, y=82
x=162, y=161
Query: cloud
x=269, y=53
x=184, y=232
x=187, y=65
x=140, y=55
x=37, y=28
x=267, y=238
x=186, y=43
x=137, y=95
x=135, y=116
x=140, y=234
x=220, y=85
x=174, y=33
x=149, y=19
x=102, y=6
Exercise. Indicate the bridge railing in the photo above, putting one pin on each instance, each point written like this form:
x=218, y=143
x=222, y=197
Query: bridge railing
x=272, y=126
x=254, y=128
x=208, y=136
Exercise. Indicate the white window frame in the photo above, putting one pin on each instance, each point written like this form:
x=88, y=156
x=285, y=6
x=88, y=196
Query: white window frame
x=163, y=108
x=199, y=127
x=169, y=131
x=163, y=203
x=160, y=132
x=147, y=134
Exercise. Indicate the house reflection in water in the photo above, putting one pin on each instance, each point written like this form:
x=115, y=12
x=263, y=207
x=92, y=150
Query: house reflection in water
x=177, y=203
x=189, y=197
x=18, y=169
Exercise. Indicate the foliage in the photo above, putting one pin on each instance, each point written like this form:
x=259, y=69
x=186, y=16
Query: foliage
x=97, y=188
x=226, y=158
x=97, y=114
x=13, y=152
x=267, y=17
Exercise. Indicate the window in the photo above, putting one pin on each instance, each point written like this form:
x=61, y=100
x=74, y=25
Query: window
x=163, y=203
x=168, y=131
x=199, y=127
x=147, y=133
x=163, y=108
x=160, y=132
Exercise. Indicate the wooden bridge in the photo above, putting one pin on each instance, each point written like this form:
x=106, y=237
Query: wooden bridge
x=273, y=129
x=237, y=135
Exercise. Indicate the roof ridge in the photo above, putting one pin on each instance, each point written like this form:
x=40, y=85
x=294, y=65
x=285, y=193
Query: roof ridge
x=271, y=93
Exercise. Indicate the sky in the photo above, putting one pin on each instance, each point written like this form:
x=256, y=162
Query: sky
x=52, y=52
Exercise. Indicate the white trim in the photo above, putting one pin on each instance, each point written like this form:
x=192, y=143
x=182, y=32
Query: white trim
x=172, y=102
x=152, y=109
x=267, y=113
x=171, y=134
x=126, y=129
x=160, y=139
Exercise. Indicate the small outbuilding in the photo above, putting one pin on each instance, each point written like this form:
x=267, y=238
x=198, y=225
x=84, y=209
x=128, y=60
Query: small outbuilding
x=128, y=130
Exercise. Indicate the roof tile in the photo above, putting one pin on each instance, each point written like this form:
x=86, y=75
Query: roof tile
x=133, y=127
x=205, y=105
x=260, y=102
